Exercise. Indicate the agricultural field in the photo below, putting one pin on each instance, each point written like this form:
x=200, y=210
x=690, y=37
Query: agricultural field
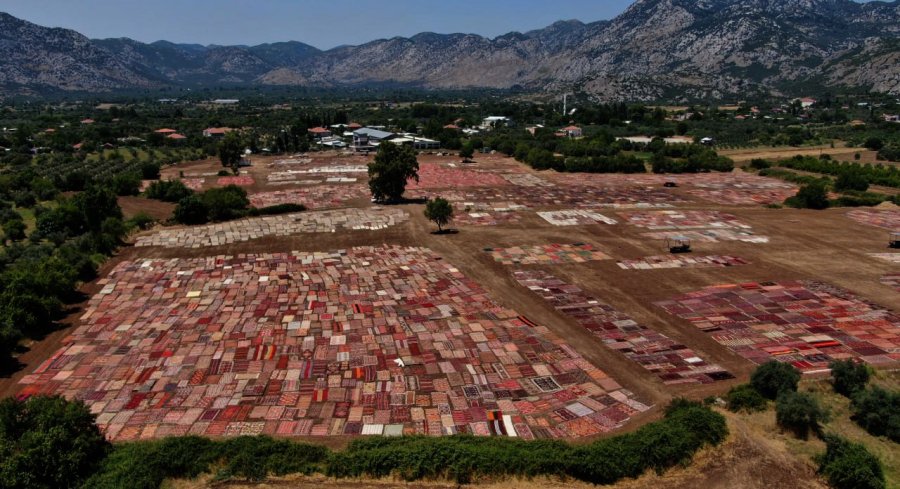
x=553, y=309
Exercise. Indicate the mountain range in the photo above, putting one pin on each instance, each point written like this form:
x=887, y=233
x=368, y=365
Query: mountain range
x=655, y=49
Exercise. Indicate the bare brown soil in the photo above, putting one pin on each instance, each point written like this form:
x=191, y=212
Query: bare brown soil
x=131, y=206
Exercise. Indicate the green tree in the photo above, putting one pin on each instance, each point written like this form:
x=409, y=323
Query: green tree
x=225, y=203
x=877, y=411
x=849, y=376
x=14, y=229
x=393, y=167
x=48, y=442
x=439, y=211
x=811, y=196
x=799, y=412
x=191, y=210
x=745, y=398
x=231, y=150
x=850, y=466
x=150, y=171
x=850, y=180
x=467, y=152
x=874, y=143
x=772, y=378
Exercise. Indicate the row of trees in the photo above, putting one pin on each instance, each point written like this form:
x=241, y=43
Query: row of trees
x=884, y=175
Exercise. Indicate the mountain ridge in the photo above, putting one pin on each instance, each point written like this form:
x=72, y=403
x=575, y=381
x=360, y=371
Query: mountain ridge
x=654, y=49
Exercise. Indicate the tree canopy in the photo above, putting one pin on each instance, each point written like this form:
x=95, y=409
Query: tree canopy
x=772, y=378
x=48, y=442
x=393, y=167
x=439, y=211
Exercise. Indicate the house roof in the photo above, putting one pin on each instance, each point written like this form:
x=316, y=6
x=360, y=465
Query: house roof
x=373, y=133
x=571, y=128
x=88, y=121
x=176, y=136
x=165, y=130
x=319, y=130
x=218, y=130
x=451, y=126
x=354, y=125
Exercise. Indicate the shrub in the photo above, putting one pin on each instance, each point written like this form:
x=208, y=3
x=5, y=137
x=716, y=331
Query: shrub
x=141, y=220
x=849, y=376
x=799, y=412
x=759, y=164
x=191, y=210
x=168, y=191
x=745, y=398
x=772, y=378
x=874, y=143
x=877, y=411
x=810, y=196
x=225, y=203
x=150, y=171
x=851, y=181
x=850, y=466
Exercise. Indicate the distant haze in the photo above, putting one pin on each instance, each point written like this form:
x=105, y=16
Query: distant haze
x=321, y=24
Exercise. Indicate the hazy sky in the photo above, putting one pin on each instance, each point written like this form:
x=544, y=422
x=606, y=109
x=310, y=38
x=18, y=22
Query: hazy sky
x=323, y=24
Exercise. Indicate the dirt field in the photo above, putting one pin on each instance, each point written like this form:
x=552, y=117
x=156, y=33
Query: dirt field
x=823, y=246
x=839, y=153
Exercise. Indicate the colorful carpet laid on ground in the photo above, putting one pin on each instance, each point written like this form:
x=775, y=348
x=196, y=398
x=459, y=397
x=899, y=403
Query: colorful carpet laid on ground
x=669, y=261
x=730, y=196
x=193, y=183
x=704, y=226
x=887, y=219
x=486, y=218
x=710, y=235
x=272, y=226
x=547, y=254
x=575, y=218
x=739, y=181
x=526, y=180
x=808, y=324
x=433, y=175
x=888, y=257
x=378, y=341
x=242, y=180
x=672, y=362
x=662, y=220
x=319, y=197
x=892, y=280
x=581, y=197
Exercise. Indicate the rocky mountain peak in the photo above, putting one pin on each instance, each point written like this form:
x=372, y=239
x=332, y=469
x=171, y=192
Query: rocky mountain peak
x=655, y=49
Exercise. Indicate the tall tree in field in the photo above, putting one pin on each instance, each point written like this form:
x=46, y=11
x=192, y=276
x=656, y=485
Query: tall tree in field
x=440, y=212
x=394, y=165
x=231, y=149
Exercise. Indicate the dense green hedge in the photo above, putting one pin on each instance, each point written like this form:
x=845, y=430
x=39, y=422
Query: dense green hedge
x=687, y=428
